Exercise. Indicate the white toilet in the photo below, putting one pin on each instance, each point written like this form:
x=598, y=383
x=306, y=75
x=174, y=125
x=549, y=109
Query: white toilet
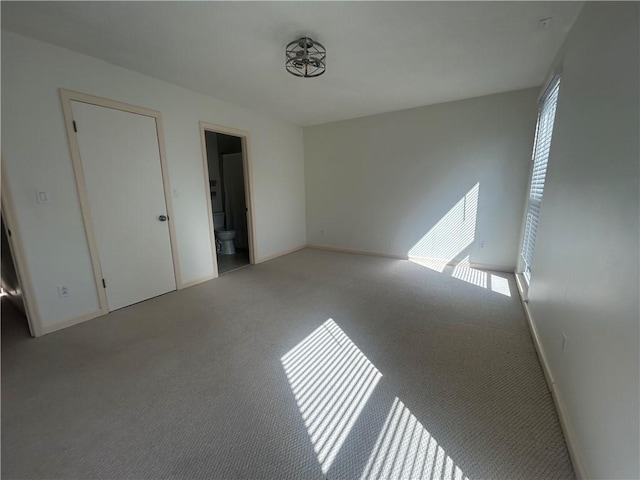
x=224, y=238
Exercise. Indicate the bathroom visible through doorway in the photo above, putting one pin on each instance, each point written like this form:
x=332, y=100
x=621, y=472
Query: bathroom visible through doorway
x=228, y=194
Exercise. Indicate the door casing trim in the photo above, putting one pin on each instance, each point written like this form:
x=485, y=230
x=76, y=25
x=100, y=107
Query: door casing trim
x=32, y=312
x=248, y=186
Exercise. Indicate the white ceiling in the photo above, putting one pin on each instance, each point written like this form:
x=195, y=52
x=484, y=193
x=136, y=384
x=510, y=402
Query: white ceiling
x=381, y=56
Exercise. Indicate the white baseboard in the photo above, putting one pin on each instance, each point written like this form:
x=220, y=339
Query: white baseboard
x=70, y=322
x=480, y=266
x=89, y=316
x=358, y=252
x=493, y=268
x=567, y=429
x=280, y=254
x=197, y=281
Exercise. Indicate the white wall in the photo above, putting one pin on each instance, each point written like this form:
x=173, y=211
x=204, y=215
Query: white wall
x=380, y=183
x=585, y=279
x=36, y=156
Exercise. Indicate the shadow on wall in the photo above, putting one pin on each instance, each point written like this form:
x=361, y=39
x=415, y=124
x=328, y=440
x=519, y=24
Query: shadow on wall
x=444, y=248
x=332, y=381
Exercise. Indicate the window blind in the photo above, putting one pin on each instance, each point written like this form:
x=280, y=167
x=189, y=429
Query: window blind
x=541, y=147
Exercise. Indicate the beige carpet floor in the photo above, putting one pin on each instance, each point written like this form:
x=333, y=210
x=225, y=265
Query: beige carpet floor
x=313, y=365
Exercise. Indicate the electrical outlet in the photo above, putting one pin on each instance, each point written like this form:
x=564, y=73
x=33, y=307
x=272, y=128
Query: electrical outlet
x=481, y=243
x=64, y=291
x=565, y=340
x=323, y=232
x=176, y=192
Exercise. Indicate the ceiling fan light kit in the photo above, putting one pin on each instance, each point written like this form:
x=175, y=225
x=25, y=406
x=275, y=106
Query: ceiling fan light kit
x=306, y=58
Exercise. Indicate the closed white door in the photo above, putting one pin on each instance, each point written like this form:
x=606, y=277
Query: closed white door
x=122, y=172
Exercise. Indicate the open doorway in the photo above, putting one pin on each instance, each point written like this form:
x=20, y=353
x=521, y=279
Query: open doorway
x=228, y=189
x=14, y=314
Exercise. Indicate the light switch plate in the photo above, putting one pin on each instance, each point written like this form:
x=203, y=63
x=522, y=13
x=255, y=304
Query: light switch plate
x=42, y=196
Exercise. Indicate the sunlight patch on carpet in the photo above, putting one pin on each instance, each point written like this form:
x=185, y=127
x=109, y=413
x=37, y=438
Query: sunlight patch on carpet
x=405, y=450
x=331, y=380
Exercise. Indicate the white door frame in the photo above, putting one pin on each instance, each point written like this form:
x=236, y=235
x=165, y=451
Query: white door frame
x=248, y=186
x=15, y=244
x=67, y=97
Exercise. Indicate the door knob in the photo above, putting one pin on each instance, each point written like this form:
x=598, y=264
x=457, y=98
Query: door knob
x=163, y=218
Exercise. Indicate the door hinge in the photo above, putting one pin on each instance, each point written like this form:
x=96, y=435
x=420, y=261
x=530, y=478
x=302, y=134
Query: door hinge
x=75, y=127
x=104, y=284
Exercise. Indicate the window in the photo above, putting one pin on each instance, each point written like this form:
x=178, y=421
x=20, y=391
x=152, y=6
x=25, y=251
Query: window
x=541, y=147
